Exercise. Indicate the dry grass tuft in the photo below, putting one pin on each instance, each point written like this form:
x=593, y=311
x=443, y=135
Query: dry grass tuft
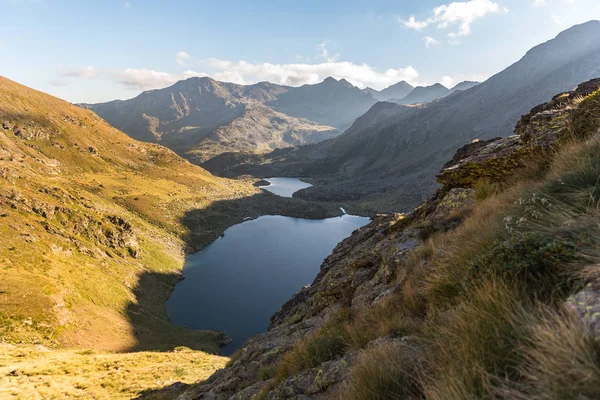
x=385, y=371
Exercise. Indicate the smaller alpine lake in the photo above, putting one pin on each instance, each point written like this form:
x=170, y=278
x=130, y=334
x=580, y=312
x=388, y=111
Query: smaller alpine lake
x=285, y=187
x=236, y=283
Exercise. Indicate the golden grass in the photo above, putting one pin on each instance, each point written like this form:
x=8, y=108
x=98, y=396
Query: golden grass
x=330, y=341
x=65, y=286
x=385, y=371
x=34, y=372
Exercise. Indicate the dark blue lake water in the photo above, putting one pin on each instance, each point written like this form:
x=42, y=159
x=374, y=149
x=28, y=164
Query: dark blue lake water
x=236, y=283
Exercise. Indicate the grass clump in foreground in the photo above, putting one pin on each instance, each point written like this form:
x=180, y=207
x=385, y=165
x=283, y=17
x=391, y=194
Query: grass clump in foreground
x=330, y=341
x=481, y=308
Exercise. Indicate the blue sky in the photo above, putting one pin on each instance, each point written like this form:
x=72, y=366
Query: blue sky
x=92, y=50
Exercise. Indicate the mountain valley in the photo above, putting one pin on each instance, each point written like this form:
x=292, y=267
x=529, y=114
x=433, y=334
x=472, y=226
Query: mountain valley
x=353, y=231
x=388, y=159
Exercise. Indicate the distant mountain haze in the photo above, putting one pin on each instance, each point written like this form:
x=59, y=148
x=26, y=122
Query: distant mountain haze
x=465, y=85
x=331, y=102
x=396, y=91
x=258, y=129
x=388, y=159
x=424, y=94
x=200, y=118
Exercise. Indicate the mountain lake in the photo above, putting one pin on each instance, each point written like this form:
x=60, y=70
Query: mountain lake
x=237, y=282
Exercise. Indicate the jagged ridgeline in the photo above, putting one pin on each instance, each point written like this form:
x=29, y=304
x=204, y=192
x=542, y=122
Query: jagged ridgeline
x=489, y=289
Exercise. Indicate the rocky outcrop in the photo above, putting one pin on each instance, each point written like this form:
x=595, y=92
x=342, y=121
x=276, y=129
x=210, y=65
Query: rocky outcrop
x=496, y=160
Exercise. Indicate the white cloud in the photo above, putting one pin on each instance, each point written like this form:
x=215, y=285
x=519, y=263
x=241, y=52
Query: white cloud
x=146, y=79
x=429, y=41
x=324, y=52
x=461, y=13
x=182, y=58
x=362, y=75
x=447, y=81
x=127, y=4
x=135, y=78
x=83, y=72
x=451, y=81
x=242, y=72
x=412, y=23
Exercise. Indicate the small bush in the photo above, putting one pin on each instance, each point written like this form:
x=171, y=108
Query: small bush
x=532, y=258
x=267, y=372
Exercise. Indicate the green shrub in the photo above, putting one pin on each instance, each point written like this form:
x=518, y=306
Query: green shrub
x=532, y=258
x=267, y=372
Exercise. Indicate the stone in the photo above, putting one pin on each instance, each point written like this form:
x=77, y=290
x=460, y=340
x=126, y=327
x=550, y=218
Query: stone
x=586, y=304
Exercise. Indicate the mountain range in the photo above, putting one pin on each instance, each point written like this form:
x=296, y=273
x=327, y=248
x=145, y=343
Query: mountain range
x=388, y=159
x=426, y=94
x=200, y=118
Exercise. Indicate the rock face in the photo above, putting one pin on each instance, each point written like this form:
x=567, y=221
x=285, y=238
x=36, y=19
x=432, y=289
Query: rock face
x=358, y=274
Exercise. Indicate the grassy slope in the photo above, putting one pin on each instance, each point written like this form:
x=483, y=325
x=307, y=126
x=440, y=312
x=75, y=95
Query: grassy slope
x=34, y=372
x=480, y=308
x=91, y=228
